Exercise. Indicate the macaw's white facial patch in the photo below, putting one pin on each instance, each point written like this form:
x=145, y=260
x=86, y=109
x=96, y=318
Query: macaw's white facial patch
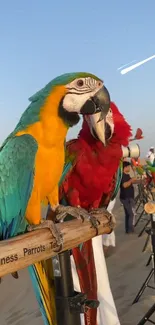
x=74, y=102
x=83, y=85
x=79, y=91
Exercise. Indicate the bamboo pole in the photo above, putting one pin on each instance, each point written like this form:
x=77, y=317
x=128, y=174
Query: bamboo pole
x=24, y=250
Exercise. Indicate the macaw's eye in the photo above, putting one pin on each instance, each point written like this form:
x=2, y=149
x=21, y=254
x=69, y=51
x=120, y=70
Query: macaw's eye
x=80, y=83
x=99, y=83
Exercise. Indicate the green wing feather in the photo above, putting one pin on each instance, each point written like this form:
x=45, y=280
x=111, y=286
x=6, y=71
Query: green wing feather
x=118, y=180
x=70, y=160
x=17, y=161
x=17, y=167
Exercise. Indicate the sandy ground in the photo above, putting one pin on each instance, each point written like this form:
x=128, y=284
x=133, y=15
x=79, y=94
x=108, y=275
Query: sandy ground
x=127, y=271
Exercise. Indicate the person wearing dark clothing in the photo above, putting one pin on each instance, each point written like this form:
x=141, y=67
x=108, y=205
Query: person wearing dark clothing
x=127, y=197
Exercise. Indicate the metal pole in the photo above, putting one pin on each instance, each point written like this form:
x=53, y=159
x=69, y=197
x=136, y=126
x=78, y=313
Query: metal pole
x=147, y=316
x=69, y=303
x=65, y=291
x=153, y=239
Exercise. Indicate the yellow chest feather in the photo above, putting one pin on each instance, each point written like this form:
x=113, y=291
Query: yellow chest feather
x=50, y=133
x=48, y=169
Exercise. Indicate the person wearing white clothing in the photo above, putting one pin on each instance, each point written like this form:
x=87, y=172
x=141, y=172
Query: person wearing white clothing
x=151, y=155
x=109, y=240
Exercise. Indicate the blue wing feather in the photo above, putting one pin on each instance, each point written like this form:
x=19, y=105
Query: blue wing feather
x=17, y=161
x=68, y=166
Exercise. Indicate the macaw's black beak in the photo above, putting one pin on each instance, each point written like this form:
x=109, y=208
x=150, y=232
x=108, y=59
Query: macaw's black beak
x=100, y=102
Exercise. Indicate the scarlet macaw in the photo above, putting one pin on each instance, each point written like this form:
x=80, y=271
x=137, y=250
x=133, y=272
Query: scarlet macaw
x=90, y=180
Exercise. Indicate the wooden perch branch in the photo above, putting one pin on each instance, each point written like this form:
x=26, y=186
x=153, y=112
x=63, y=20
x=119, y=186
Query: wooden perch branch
x=24, y=250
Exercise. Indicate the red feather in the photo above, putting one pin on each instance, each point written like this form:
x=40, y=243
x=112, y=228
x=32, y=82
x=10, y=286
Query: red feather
x=138, y=135
x=96, y=165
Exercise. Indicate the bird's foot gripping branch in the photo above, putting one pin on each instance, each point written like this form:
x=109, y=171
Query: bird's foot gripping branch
x=49, y=224
x=61, y=213
x=78, y=213
x=102, y=211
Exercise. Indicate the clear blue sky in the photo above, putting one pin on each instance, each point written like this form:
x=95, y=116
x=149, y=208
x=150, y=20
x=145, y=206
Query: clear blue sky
x=42, y=39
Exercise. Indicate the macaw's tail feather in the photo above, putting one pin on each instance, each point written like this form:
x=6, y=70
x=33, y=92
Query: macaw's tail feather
x=85, y=266
x=41, y=275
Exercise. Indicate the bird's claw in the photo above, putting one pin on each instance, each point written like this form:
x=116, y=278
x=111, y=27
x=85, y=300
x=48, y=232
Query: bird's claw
x=109, y=216
x=78, y=213
x=95, y=222
x=54, y=230
x=15, y=275
x=101, y=211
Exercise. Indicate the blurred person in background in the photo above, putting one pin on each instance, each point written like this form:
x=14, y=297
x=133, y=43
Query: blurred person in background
x=150, y=155
x=108, y=240
x=150, y=159
x=127, y=197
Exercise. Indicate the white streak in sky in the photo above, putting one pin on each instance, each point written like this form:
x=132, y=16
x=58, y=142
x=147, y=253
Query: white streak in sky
x=125, y=65
x=134, y=66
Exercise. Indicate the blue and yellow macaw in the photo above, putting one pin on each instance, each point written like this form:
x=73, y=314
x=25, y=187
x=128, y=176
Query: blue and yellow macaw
x=31, y=164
